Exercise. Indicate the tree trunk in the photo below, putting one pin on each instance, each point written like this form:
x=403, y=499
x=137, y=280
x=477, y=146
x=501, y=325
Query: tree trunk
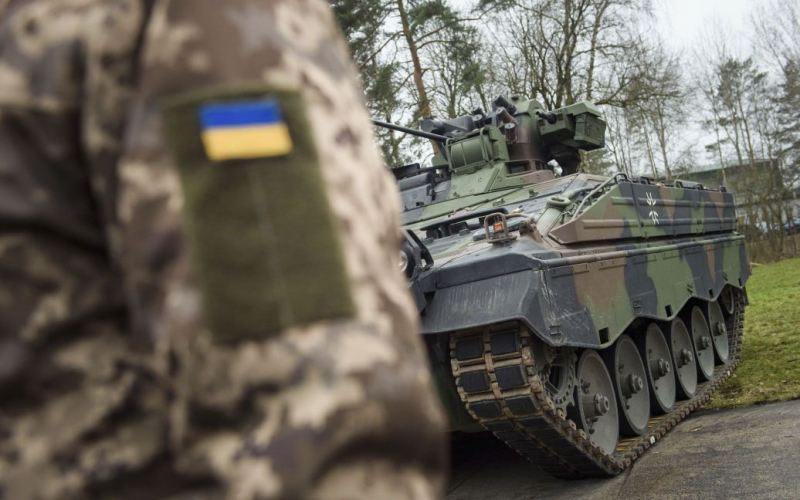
x=424, y=103
x=719, y=143
x=598, y=19
x=747, y=136
x=661, y=133
x=650, y=154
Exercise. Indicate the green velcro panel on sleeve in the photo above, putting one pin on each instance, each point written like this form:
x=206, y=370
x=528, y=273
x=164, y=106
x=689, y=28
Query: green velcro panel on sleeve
x=263, y=240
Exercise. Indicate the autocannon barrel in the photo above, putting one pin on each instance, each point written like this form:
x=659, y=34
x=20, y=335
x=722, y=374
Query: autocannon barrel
x=418, y=133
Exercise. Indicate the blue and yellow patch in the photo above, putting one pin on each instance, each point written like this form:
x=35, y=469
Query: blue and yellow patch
x=242, y=130
x=238, y=218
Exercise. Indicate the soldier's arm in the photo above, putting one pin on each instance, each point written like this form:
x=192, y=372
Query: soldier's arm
x=291, y=336
x=74, y=380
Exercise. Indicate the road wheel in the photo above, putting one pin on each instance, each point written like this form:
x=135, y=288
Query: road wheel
x=656, y=356
x=630, y=384
x=726, y=300
x=680, y=343
x=595, y=409
x=719, y=333
x=703, y=345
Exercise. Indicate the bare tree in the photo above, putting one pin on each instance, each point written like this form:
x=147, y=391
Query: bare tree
x=777, y=27
x=561, y=51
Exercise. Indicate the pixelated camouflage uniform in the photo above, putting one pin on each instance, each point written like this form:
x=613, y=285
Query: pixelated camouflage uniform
x=110, y=384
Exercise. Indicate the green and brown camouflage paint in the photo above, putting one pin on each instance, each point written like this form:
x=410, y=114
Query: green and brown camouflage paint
x=605, y=254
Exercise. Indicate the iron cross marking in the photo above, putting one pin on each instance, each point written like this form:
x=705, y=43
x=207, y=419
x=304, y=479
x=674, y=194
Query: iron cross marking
x=652, y=203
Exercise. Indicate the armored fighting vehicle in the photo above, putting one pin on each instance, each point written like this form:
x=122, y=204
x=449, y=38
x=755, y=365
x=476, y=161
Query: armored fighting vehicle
x=576, y=317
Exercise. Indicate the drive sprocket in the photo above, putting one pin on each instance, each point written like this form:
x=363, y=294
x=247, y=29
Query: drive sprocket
x=558, y=375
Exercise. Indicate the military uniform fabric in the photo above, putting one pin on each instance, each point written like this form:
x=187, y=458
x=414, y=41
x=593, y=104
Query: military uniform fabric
x=111, y=383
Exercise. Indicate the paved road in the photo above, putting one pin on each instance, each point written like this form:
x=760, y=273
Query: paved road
x=748, y=453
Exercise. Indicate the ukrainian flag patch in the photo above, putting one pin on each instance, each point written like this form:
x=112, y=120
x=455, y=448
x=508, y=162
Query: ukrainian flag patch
x=239, y=130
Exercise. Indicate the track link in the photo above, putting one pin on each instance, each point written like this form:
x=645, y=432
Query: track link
x=496, y=379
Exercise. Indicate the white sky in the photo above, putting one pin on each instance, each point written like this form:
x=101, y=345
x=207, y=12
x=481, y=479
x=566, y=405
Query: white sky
x=682, y=23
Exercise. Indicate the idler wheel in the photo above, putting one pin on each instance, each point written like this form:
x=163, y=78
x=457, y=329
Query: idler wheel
x=683, y=359
x=726, y=300
x=719, y=333
x=703, y=344
x=595, y=409
x=630, y=384
x=655, y=353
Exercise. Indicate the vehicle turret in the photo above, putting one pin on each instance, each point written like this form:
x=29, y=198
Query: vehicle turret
x=508, y=147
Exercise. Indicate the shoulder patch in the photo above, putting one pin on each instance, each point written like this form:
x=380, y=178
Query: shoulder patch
x=244, y=129
x=263, y=240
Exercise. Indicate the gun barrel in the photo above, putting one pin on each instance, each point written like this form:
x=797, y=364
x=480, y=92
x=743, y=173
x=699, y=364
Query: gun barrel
x=418, y=133
x=551, y=118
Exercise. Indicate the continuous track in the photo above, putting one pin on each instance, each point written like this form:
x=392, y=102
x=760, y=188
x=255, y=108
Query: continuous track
x=513, y=404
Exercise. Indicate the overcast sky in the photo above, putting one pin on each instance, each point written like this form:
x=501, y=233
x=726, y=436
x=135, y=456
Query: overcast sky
x=682, y=22
x=683, y=25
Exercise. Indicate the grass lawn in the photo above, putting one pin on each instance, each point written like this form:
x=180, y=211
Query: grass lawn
x=770, y=366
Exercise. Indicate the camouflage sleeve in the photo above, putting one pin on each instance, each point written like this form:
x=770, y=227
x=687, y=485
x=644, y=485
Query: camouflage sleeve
x=329, y=407
x=69, y=365
x=94, y=272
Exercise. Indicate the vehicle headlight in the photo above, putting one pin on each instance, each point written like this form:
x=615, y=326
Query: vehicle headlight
x=403, y=264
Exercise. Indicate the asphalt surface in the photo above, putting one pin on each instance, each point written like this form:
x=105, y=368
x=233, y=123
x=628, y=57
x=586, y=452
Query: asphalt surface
x=745, y=453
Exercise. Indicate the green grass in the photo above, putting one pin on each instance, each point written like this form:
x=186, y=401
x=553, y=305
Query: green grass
x=770, y=366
